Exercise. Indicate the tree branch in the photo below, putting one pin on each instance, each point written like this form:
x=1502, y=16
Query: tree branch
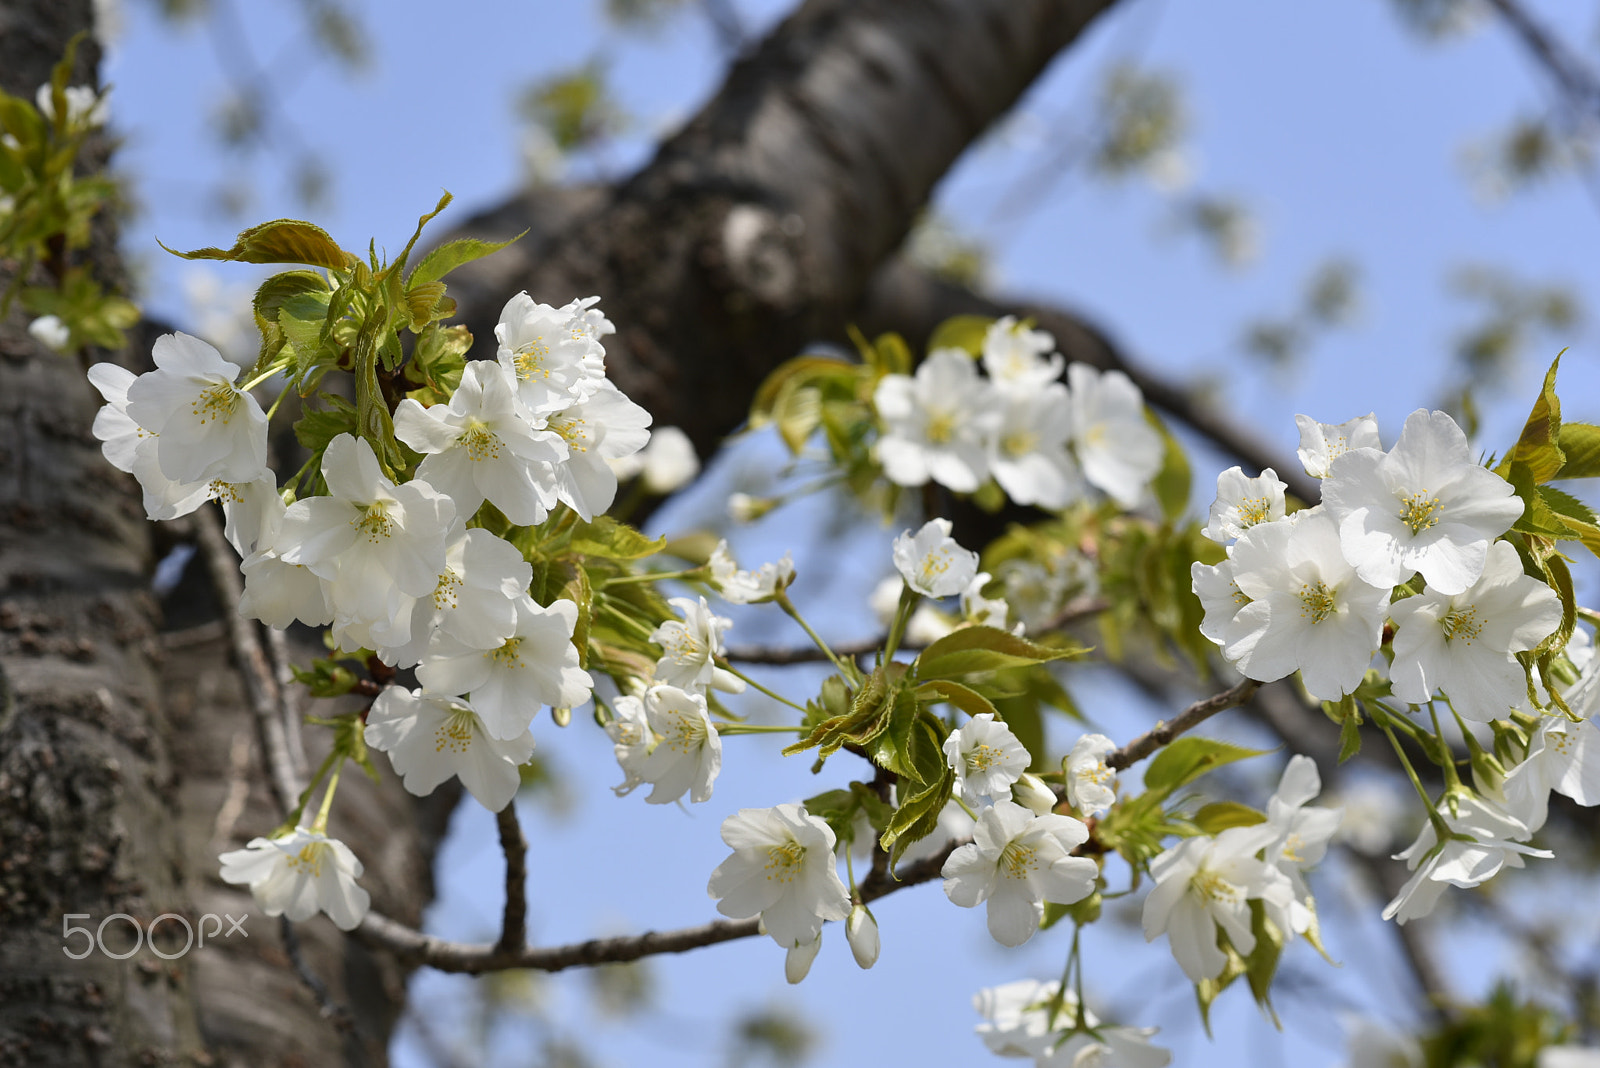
x=1188, y=719
x=514, y=923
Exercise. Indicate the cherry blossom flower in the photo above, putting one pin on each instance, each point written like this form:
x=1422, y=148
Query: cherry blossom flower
x=205, y=427
x=298, y=873
x=1017, y=1017
x=1309, y=609
x=1119, y=450
x=1091, y=783
x=1464, y=643
x=986, y=758
x=1016, y=862
x=666, y=464
x=861, y=931
x=554, y=357
x=430, y=738
x=1243, y=503
x=1028, y=453
x=1301, y=836
x=1016, y=357
x=1425, y=506
x=748, y=587
x=480, y=446
x=50, y=332
x=537, y=665
x=932, y=563
x=604, y=427
x=1205, y=883
x=1219, y=595
x=690, y=647
x=667, y=739
x=936, y=424
x=783, y=870
x=1460, y=862
x=1323, y=443
x=631, y=740
x=474, y=599
x=129, y=447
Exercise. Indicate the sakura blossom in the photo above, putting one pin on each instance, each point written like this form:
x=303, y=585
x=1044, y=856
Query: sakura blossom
x=429, y=739
x=1016, y=862
x=932, y=563
x=299, y=873
x=748, y=587
x=1091, y=782
x=1323, y=443
x=936, y=424
x=205, y=427
x=783, y=870
x=1243, y=503
x=986, y=758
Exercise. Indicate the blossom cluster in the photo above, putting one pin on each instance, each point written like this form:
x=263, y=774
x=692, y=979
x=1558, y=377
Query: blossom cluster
x=400, y=567
x=1324, y=590
x=1207, y=882
x=1044, y=441
x=1029, y=1018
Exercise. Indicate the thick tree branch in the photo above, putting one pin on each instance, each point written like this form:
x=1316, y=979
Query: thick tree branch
x=1188, y=719
x=514, y=923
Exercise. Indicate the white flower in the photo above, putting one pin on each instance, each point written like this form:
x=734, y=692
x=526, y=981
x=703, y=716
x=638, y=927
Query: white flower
x=932, y=563
x=1016, y=359
x=1029, y=451
x=604, y=427
x=1460, y=863
x=1301, y=836
x=278, y=593
x=430, y=738
x=666, y=738
x=1032, y=794
x=1563, y=756
x=480, y=446
x=783, y=870
x=690, y=648
x=1423, y=506
x=797, y=962
x=206, y=428
x=1091, y=784
x=1219, y=595
x=861, y=931
x=748, y=587
x=375, y=543
x=474, y=599
x=1204, y=883
x=297, y=873
x=1016, y=862
x=1109, y=1047
x=1017, y=1017
x=537, y=665
x=1244, y=502
x=937, y=424
x=129, y=447
x=550, y=352
x=50, y=332
x=252, y=512
x=1309, y=610
x=986, y=757
x=1118, y=448
x=1323, y=443
x=1464, y=643
x=980, y=610
x=667, y=463
x=926, y=625
x=85, y=107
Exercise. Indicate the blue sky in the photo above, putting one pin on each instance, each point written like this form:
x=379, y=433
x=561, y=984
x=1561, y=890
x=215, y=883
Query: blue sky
x=1345, y=135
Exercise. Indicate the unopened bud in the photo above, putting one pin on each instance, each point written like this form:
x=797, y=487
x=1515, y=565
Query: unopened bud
x=743, y=508
x=861, y=930
x=798, y=963
x=1031, y=793
x=562, y=716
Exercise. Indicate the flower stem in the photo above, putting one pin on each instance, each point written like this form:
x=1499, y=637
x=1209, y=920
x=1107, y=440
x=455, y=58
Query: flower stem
x=754, y=728
x=321, y=824
x=658, y=576
x=775, y=696
x=1440, y=829
x=789, y=609
x=902, y=614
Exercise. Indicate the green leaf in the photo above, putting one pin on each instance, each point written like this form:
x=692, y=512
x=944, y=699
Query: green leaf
x=315, y=429
x=437, y=362
x=1580, y=444
x=972, y=649
x=1188, y=758
x=965, y=698
x=965, y=332
x=917, y=816
x=579, y=591
x=1349, y=738
x=279, y=241
x=613, y=540
x=800, y=370
x=798, y=412
x=890, y=744
x=1537, y=516
x=1218, y=816
x=405, y=253
x=1538, y=446
x=452, y=254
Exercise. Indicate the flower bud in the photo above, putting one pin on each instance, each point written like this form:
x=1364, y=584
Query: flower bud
x=743, y=508
x=798, y=963
x=1031, y=793
x=861, y=930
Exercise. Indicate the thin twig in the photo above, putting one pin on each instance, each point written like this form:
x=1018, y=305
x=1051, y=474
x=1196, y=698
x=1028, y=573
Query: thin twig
x=514, y=923
x=1188, y=719
x=414, y=947
x=288, y=697
x=260, y=683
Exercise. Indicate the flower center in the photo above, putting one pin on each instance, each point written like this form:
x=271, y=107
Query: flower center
x=218, y=403
x=1017, y=861
x=682, y=644
x=1461, y=623
x=983, y=757
x=455, y=732
x=445, y=594
x=933, y=565
x=686, y=732
x=1211, y=887
x=1292, y=847
x=1240, y=598
x=1252, y=510
x=783, y=861
x=1020, y=443
x=480, y=442
x=1316, y=602
x=941, y=428
x=309, y=859
x=375, y=522
x=574, y=431
x=507, y=655
x=529, y=359
x=226, y=491
x=1419, y=511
